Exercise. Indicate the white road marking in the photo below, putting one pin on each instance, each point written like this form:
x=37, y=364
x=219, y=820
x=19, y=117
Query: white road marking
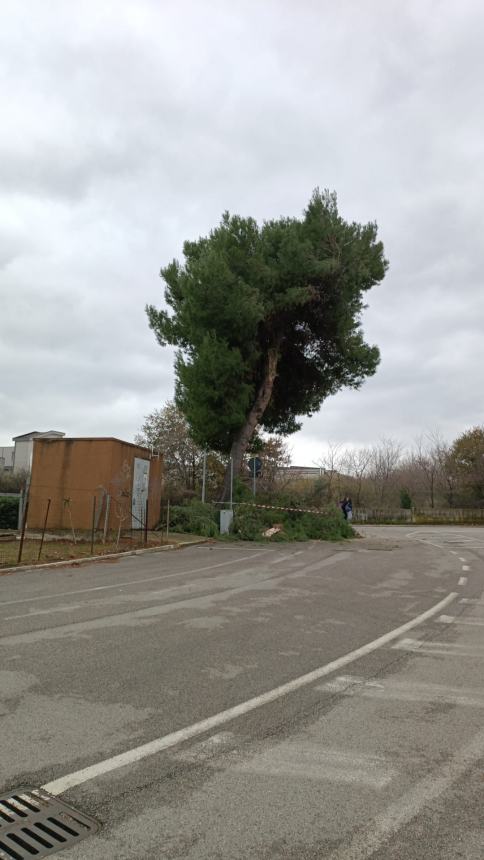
x=462, y=580
x=136, y=754
x=465, y=567
x=135, y=581
x=438, y=649
x=462, y=559
x=285, y=557
x=156, y=609
x=407, y=807
x=405, y=691
x=474, y=601
x=307, y=759
x=466, y=622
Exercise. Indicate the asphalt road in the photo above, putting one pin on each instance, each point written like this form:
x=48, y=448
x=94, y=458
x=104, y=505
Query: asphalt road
x=243, y=701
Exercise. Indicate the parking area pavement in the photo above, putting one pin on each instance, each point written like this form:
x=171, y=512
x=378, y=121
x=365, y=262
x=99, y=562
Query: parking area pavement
x=298, y=700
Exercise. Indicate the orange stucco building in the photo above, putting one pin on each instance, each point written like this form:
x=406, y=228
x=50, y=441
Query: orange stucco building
x=121, y=477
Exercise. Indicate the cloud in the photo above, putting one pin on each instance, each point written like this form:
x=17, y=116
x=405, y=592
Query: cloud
x=129, y=127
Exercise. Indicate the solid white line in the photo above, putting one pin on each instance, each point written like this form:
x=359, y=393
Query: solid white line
x=58, y=786
x=159, y=578
x=463, y=580
x=407, y=807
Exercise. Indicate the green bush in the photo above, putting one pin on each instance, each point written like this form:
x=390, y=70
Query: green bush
x=405, y=499
x=251, y=522
x=194, y=518
x=8, y=512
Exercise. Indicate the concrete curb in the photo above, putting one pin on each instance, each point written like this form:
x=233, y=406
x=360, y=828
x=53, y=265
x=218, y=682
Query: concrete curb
x=25, y=568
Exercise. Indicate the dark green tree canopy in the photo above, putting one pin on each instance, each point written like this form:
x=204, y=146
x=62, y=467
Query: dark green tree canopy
x=267, y=321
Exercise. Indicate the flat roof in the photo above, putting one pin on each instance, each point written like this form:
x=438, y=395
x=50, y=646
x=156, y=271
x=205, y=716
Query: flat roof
x=35, y=434
x=95, y=439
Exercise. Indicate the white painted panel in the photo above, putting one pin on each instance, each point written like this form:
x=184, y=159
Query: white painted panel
x=141, y=476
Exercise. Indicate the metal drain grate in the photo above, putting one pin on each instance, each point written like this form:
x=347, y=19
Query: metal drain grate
x=33, y=823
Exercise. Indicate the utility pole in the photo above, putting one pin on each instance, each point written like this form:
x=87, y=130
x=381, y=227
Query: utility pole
x=204, y=475
x=254, y=463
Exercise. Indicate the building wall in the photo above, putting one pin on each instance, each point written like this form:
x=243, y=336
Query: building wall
x=23, y=455
x=71, y=472
x=24, y=448
x=6, y=457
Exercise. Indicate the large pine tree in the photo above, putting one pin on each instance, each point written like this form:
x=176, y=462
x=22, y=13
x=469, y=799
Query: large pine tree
x=268, y=321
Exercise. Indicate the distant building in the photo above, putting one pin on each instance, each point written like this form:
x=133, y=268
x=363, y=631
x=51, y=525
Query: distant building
x=304, y=472
x=24, y=446
x=6, y=458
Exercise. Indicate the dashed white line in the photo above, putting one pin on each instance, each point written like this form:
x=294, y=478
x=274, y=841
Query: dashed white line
x=463, y=580
x=465, y=567
x=462, y=559
x=58, y=786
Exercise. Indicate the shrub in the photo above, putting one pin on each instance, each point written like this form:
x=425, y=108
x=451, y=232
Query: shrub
x=195, y=518
x=405, y=499
x=251, y=522
x=12, y=482
x=8, y=512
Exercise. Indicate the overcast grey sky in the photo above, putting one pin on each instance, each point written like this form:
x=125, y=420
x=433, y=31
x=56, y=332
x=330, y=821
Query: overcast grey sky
x=129, y=126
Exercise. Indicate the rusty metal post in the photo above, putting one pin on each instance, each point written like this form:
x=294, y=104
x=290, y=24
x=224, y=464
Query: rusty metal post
x=26, y=510
x=93, y=528
x=43, y=530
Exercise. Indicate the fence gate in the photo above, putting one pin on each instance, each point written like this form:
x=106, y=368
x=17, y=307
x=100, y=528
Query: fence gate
x=141, y=475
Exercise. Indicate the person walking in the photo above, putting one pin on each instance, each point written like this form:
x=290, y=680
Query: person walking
x=349, y=509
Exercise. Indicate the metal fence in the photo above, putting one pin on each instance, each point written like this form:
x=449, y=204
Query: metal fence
x=24, y=545
x=427, y=516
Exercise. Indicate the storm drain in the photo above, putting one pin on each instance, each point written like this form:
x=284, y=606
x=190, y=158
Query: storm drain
x=33, y=823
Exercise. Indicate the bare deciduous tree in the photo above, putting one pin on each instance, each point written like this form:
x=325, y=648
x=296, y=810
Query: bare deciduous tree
x=356, y=463
x=330, y=464
x=385, y=459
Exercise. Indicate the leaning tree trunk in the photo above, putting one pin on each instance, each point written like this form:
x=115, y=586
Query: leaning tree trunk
x=243, y=437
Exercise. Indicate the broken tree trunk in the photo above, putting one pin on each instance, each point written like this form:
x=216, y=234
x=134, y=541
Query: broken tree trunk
x=243, y=437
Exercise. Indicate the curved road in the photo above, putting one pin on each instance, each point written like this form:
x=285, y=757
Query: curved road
x=243, y=701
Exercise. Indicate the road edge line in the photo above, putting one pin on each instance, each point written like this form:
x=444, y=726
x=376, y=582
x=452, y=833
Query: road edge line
x=136, y=754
